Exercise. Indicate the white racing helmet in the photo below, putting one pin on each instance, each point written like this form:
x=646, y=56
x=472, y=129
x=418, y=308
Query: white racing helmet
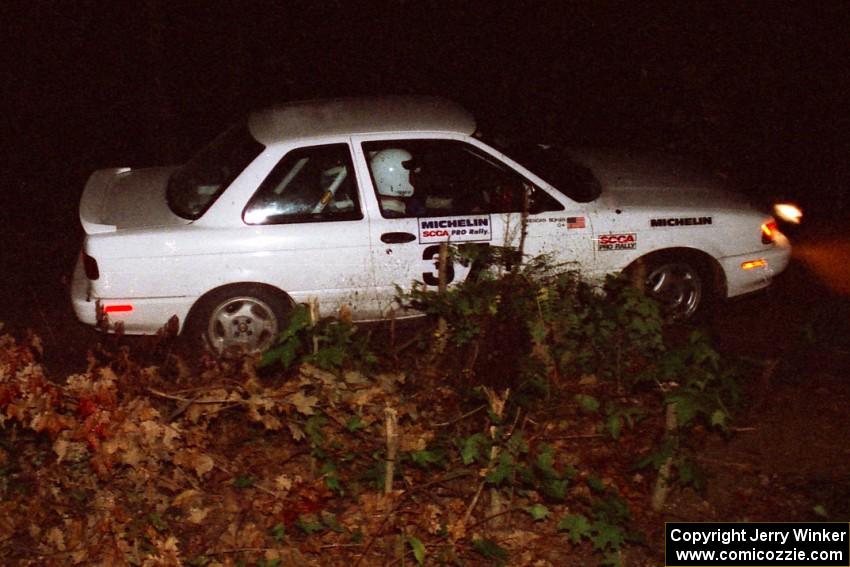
x=391, y=177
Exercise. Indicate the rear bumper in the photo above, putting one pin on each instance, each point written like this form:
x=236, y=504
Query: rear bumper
x=740, y=281
x=148, y=315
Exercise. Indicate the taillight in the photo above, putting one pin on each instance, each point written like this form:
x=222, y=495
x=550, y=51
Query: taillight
x=90, y=266
x=117, y=308
x=769, y=230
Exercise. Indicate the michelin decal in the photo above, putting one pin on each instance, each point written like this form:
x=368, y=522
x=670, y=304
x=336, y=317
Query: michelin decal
x=683, y=221
x=472, y=228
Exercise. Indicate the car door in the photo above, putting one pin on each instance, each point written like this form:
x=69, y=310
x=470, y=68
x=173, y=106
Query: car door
x=428, y=190
x=310, y=232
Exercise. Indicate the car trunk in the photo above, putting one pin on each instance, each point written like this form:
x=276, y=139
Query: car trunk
x=122, y=198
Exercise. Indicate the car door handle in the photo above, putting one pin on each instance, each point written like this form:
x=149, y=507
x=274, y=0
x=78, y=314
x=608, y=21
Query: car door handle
x=397, y=237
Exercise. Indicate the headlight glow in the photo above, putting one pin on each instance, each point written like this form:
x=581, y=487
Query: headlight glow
x=788, y=212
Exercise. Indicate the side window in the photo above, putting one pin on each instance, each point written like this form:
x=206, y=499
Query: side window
x=314, y=184
x=419, y=178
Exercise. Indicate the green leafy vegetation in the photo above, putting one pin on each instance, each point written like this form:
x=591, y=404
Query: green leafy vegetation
x=524, y=422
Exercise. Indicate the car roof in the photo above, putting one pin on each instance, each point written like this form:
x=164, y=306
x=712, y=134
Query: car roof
x=366, y=115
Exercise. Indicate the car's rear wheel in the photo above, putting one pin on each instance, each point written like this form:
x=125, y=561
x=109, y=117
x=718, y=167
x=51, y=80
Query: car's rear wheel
x=241, y=318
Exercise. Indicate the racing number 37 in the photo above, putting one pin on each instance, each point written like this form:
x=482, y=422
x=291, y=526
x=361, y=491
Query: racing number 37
x=432, y=254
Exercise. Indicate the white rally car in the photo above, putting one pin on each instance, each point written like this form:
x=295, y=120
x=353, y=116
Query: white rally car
x=343, y=199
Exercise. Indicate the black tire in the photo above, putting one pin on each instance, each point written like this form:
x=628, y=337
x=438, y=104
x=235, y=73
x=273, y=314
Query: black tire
x=681, y=284
x=239, y=318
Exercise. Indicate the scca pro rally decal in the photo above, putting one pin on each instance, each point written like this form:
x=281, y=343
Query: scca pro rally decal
x=618, y=241
x=684, y=221
x=455, y=229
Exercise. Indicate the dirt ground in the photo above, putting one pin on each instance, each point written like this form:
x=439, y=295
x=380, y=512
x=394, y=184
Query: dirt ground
x=788, y=457
x=791, y=450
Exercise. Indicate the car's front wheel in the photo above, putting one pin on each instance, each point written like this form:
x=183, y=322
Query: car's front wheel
x=240, y=318
x=684, y=282
x=678, y=286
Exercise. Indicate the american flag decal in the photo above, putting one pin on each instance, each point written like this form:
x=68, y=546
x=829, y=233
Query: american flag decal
x=575, y=222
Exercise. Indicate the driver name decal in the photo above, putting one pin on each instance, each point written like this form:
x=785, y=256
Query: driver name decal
x=455, y=229
x=617, y=241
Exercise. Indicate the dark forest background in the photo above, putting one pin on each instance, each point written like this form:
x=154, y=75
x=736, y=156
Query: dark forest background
x=757, y=90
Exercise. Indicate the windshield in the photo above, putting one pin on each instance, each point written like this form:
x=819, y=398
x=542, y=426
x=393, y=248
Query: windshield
x=555, y=166
x=194, y=186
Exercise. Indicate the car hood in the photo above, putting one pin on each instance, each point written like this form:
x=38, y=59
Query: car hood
x=656, y=181
x=123, y=198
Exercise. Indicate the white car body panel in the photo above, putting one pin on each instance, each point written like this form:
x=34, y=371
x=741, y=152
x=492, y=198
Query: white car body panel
x=162, y=264
x=401, y=264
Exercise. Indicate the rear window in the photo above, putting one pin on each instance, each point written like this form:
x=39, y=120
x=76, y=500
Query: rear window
x=196, y=185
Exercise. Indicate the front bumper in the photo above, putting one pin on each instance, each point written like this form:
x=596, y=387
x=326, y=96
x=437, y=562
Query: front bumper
x=740, y=281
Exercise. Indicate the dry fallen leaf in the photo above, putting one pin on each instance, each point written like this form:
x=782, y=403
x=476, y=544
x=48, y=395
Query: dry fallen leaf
x=303, y=403
x=312, y=373
x=283, y=483
x=355, y=377
x=295, y=430
x=187, y=498
x=56, y=539
x=415, y=439
x=199, y=462
x=197, y=515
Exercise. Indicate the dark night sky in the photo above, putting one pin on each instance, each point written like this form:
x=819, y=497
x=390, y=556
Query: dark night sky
x=755, y=88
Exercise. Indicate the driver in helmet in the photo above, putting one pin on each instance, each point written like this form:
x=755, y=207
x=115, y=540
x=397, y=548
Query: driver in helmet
x=391, y=169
